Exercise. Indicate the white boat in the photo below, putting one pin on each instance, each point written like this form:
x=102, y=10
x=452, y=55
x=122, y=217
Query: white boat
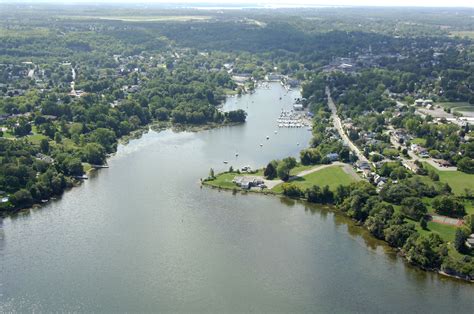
x=261, y=145
x=226, y=162
x=268, y=137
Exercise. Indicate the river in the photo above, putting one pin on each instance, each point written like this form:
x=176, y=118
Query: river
x=143, y=236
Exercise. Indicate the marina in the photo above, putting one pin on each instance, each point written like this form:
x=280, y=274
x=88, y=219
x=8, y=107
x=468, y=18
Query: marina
x=293, y=119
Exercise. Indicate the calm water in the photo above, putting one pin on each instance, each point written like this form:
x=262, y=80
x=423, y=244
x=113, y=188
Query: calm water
x=143, y=236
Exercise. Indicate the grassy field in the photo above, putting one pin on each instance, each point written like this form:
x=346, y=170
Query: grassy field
x=36, y=138
x=465, y=108
x=299, y=168
x=469, y=34
x=457, y=106
x=446, y=232
x=419, y=141
x=223, y=180
x=331, y=176
x=456, y=179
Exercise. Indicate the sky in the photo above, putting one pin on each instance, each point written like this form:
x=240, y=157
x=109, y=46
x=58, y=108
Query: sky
x=282, y=3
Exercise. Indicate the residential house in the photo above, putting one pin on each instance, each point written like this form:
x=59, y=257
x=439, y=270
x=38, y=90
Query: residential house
x=247, y=182
x=410, y=165
x=362, y=165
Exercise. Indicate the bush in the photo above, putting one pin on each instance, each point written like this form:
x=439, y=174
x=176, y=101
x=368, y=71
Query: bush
x=292, y=190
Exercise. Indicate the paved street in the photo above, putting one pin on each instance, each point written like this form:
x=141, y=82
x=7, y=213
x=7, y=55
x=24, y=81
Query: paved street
x=338, y=125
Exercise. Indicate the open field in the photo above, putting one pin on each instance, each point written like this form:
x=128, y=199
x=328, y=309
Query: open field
x=457, y=106
x=223, y=180
x=299, y=168
x=331, y=176
x=446, y=232
x=419, y=141
x=458, y=180
x=469, y=34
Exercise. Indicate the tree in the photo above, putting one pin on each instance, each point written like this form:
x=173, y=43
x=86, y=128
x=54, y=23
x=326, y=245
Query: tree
x=238, y=115
x=459, y=240
x=283, y=171
x=466, y=165
x=433, y=175
x=57, y=137
x=313, y=194
x=446, y=189
x=290, y=161
x=104, y=137
x=22, y=128
x=93, y=153
x=425, y=251
x=21, y=198
x=341, y=193
x=310, y=156
x=72, y=166
x=375, y=224
x=397, y=235
x=413, y=207
x=270, y=171
x=423, y=223
x=44, y=146
x=469, y=223
x=448, y=205
x=395, y=193
x=327, y=195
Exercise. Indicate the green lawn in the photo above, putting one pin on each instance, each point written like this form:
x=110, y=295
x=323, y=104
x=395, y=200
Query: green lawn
x=446, y=232
x=36, y=138
x=223, y=180
x=469, y=206
x=456, y=179
x=299, y=168
x=457, y=106
x=419, y=141
x=8, y=134
x=331, y=176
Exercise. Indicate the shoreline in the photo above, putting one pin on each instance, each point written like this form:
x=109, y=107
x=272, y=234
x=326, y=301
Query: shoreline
x=333, y=208
x=136, y=134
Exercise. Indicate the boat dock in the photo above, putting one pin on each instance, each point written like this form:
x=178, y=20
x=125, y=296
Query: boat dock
x=293, y=119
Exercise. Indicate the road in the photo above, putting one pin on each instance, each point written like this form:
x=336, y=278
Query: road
x=338, y=126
